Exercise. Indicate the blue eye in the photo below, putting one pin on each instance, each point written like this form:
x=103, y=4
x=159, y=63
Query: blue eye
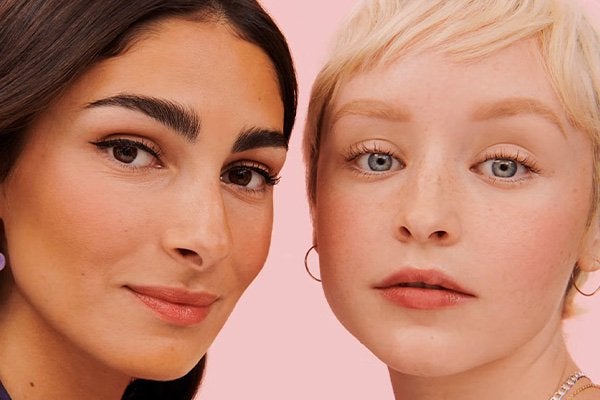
x=377, y=162
x=507, y=167
x=504, y=168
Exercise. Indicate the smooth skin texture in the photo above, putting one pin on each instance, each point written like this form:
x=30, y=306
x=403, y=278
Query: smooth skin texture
x=105, y=196
x=437, y=196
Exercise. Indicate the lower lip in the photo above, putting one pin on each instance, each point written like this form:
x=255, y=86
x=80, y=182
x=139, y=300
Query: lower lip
x=177, y=314
x=424, y=299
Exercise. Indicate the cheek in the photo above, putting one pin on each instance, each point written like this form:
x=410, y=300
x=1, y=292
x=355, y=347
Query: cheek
x=350, y=227
x=68, y=233
x=527, y=255
x=250, y=226
x=79, y=218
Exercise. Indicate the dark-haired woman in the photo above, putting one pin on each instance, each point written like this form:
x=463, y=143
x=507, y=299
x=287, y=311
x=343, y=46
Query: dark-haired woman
x=139, y=145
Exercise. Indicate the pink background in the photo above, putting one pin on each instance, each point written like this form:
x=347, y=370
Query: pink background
x=282, y=341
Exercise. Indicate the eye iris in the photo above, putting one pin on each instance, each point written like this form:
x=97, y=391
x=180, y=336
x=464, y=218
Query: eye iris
x=504, y=168
x=380, y=162
x=240, y=176
x=125, y=154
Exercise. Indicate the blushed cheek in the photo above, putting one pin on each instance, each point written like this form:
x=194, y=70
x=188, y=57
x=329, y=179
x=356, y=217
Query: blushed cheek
x=251, y=232
x=345, y=229
x=72, y=223
x=534, y=253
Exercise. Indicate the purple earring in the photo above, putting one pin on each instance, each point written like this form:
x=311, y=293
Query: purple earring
x=2, y=261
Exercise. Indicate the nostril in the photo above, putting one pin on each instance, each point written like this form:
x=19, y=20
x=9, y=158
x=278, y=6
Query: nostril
x=190, y=255
x=440, y=234
x=405, y=232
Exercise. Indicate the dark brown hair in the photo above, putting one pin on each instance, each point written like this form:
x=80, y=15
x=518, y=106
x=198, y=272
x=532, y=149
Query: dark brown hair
x=45, y=45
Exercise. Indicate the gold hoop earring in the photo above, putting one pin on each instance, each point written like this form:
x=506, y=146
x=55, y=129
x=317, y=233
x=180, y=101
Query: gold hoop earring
x=306, y=263
x=579, y=290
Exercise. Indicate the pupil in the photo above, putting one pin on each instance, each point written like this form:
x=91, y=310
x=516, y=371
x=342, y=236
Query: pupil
x=125, y=154
x=504, y=168
x=240, y=176
x=380, y=162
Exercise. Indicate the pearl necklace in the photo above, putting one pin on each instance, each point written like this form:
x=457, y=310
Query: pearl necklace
x=567, y=385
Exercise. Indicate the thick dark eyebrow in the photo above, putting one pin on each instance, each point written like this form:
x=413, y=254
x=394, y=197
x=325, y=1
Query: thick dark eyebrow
x=253, y=138
x=168, y=113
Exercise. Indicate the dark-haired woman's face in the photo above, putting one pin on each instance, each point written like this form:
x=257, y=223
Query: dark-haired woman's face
x=141, y=207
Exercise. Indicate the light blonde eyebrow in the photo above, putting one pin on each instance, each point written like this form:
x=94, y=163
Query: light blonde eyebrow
x=516, y=106
x=372, y=109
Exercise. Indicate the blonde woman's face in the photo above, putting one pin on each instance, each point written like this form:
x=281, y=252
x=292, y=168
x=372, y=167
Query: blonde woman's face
x=141, y=206
x=451, y=207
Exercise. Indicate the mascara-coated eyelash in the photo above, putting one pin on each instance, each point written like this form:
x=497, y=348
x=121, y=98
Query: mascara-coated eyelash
x=139, y=144
x=360, y=149
x=517, y=156
x=269, y=179
x=134, y=154
x=371, y=159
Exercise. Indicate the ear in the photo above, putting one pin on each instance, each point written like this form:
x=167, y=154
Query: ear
x=589, y=260
x=313, y=219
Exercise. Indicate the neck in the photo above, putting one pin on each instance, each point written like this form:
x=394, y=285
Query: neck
x=38, y=363
x=533, y=372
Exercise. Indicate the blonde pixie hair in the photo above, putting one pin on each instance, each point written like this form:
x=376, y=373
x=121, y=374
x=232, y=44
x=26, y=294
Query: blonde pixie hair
x=379, y=32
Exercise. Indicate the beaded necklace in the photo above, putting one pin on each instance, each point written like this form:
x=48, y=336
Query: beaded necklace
x=567, y=385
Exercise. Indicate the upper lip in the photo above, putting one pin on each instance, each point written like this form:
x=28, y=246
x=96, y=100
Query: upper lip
x=430, y=277
x=176, y=295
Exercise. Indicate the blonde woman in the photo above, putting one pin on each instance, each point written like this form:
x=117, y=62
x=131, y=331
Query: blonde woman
x=452, y=151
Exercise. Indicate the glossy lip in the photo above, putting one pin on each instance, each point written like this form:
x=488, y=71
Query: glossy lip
x=449, y=294
x=174, y=305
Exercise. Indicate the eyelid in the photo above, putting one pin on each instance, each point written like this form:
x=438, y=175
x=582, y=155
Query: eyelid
x=359, y=149
x=516, y=155
x=140, y=143
x=524, y=160
x=270, y=178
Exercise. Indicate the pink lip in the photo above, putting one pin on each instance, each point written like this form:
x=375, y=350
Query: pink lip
x=177, y=306
x=449, y=293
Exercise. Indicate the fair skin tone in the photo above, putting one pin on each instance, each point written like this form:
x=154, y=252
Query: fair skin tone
x=105, y=198
x=473, y=171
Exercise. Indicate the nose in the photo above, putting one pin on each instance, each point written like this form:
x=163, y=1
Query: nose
x=198, y=232
x=428, y=208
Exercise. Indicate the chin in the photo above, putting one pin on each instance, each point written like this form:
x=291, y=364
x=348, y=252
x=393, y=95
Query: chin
x=423, y=368
x=164, y=364
x=167, y=371
x=421, y=354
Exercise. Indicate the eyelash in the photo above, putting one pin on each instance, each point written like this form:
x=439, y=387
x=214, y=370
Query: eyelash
x=150, y=148
x=140, y=144
x=360, y=149
x=270, y=179
x=526, y=161
x=518, y=157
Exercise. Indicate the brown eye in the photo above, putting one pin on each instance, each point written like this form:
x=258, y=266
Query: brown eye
x=132, y=153
x=240, y=176
x=251, y=178
x=125, y=154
